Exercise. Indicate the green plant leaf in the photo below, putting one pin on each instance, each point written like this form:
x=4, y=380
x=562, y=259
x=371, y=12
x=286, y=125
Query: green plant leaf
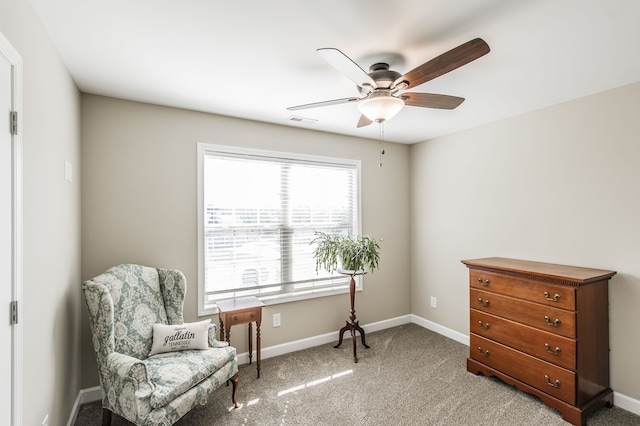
x=351, y=252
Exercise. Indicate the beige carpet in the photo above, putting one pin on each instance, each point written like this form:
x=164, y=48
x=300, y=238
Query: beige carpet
x=410, y=376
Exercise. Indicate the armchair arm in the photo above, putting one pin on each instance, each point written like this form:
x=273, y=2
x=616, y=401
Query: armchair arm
x=126, y=371
x=213, y=337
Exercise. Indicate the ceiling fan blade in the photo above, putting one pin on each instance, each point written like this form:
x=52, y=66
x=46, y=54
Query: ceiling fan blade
x=449, y=61
x=431, y=100
x=323, y=103
x=346, y=66
x=364, y=121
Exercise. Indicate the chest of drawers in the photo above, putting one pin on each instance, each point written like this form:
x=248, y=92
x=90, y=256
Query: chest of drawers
x=543, y=328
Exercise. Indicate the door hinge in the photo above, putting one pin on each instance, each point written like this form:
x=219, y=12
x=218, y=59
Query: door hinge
x=14, y=312
x=13, y=122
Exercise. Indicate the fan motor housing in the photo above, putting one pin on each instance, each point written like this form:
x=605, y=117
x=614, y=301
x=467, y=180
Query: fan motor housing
x=382, y=75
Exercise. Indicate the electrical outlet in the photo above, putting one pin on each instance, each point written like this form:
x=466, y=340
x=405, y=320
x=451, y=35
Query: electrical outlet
x=434, y=302
x=45, y=422
x=276, y=320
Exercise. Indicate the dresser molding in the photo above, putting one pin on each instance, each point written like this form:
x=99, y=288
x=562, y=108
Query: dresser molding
x=545, y=272
x=527, y=276
x=550, y=334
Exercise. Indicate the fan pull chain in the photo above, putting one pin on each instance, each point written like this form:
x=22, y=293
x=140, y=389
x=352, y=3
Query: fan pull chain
x=381, y=141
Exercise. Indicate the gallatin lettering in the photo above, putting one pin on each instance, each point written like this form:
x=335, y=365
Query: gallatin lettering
x=182, y=336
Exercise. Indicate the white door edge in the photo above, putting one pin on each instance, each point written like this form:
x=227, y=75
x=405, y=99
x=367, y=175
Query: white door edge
x=7, y=50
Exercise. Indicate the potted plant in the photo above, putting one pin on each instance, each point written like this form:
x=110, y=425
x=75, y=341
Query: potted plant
x=348, y=254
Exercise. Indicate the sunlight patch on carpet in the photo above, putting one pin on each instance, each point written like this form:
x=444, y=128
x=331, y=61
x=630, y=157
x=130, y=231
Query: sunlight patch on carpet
x=314, y=382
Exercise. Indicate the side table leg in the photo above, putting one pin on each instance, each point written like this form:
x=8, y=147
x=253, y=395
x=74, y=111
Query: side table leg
x=225, y=335
x=258, y=348
x=250, y=343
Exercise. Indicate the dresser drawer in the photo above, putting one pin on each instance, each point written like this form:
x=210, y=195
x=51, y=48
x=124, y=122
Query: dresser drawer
x=553, y=320
x=541, y=344
x=551, y=379
x=523, y=288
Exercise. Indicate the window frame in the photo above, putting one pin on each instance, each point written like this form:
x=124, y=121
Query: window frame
x=202, y=150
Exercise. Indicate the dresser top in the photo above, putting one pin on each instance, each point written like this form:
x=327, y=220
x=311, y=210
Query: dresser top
x=574, y=274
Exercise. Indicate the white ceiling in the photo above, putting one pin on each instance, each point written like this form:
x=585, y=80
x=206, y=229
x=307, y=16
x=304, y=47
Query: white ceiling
x=252, y=59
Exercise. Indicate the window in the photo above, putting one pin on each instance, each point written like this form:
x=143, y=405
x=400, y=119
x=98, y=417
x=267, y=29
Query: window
x=257, y=214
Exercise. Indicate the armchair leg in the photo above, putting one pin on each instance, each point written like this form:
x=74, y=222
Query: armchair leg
x=106, y=417
x=234, y=385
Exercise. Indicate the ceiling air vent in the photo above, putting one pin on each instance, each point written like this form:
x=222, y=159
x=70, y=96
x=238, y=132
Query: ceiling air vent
x=298, y=119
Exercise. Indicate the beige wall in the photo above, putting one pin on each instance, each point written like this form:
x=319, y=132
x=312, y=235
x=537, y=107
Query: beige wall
x=557, y=185
x=139, y=205
x=50, y=309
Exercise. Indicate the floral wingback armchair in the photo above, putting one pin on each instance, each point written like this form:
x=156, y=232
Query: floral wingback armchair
x=128, y=304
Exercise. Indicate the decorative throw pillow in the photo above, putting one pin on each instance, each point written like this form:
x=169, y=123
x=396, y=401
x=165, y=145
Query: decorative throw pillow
x=180, y=337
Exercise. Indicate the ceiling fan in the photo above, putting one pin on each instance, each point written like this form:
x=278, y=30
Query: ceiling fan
x=382, y=90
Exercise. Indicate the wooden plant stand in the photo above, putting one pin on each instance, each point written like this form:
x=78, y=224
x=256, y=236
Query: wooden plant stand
x=352, y=323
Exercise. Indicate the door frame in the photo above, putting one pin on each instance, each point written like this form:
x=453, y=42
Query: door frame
x=8, y=52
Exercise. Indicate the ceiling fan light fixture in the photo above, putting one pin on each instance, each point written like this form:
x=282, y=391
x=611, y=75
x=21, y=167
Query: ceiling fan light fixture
x=381, y=107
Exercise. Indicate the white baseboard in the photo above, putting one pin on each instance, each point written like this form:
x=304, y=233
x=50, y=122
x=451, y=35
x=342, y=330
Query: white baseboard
x=626, y=403
x=84, y=396
x=437, y=328
x=94, y=394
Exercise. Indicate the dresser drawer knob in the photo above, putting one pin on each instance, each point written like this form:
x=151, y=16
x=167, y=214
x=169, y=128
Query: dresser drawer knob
x=552, y=323
x=485, y=326
x=555, y=298
x=483, y=283
x=485, y=353
x=485, y=303
x=554, y=352
x=556, y=384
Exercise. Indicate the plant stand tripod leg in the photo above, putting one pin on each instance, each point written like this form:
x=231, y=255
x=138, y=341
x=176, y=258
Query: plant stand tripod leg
x=356, y=326
x=342, y=331
x=354, y=340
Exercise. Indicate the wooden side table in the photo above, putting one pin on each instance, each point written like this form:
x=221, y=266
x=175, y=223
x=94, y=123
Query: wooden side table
x=242, y=310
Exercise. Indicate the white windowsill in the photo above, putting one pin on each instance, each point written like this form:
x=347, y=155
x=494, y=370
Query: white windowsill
x=280, y=298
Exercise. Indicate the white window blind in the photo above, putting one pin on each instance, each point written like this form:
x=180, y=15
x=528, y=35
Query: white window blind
x=258, y=211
